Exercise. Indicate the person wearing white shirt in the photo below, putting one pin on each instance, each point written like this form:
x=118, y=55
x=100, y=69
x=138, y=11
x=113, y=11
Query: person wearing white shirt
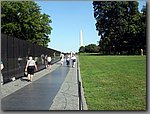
x=49, y=59
x=62, y=58
x=73, y=58
x=30, y=67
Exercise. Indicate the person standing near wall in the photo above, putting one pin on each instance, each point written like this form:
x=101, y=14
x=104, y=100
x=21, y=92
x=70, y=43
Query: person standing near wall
x=62, y=58
x=49, y=59
x=45, y=61
x=42, y=58
x=2, y=67
x=30, y=67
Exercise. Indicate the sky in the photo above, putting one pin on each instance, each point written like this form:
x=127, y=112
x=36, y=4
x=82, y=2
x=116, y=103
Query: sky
x=68, y=19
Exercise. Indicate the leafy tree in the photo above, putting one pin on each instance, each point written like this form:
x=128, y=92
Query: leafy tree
x=141, y=36
x=91, y=48
x=110, y=23
x=23, y=20
x=118, y=25
x=81, y=49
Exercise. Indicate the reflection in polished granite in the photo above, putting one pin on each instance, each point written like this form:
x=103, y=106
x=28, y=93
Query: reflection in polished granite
x=38, y=95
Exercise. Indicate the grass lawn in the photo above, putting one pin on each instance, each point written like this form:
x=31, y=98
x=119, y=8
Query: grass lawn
x=114, y=82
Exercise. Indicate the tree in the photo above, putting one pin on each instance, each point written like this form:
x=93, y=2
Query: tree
x=91, y=48
x=141, y=36
x=110, y=23
x=81, y=49
x=22, y=19
x=117, y=23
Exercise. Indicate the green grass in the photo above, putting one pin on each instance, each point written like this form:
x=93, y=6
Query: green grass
x=114, y=82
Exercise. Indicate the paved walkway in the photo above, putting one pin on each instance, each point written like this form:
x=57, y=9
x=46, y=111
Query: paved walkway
x=55, y=89
x=67, y=98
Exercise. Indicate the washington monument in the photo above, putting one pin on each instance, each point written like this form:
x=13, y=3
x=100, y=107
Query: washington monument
x=81, y=40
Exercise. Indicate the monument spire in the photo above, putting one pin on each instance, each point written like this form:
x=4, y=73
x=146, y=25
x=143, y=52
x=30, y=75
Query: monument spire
x=81, y=40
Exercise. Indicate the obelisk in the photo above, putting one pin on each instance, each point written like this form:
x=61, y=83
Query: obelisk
x=81, y=40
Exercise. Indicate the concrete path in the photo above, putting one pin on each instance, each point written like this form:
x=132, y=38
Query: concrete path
x=55, y=89
x=67, y=98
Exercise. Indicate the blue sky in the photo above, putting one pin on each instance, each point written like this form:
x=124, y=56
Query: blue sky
x=68, y=18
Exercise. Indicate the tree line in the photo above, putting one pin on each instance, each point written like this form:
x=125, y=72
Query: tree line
x=121, y=27
x=23, y=19
x=91, y=48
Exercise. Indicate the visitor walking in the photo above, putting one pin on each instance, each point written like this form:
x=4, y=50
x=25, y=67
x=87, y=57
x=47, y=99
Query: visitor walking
x=30, y=67
x=73, y=58
x=45, y=61
x=68, y=59
x=62, y=58
x=49, y=59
